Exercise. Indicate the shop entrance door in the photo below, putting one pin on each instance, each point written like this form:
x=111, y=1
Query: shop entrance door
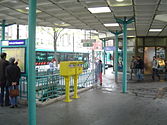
x=149, y=52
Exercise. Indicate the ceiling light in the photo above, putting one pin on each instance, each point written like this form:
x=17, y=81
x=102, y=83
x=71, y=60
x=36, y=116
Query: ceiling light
x=99, y=10
x=155, y=30
x=161, y=17
x=118, y=3
x=131, y=36
x=119, y=0
x=111, y=24
x=25, y=11
x=62, y=24
x=130, y=28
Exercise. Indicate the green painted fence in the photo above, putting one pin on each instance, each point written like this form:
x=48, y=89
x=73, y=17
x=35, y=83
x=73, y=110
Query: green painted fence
x=51, y=85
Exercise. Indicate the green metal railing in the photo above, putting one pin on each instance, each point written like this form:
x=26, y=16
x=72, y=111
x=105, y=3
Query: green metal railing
x=51, y=85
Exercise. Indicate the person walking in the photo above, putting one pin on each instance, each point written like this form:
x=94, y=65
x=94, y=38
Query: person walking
x=99, y=71
x=132, y=67
x=96, y=72
x=139, y=68
x=13, y=74
x=165, y=70
x=3, y=64
x=155, y=68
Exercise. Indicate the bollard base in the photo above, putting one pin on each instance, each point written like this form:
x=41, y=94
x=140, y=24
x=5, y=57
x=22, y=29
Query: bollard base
x=69, y=100
x=75, y=97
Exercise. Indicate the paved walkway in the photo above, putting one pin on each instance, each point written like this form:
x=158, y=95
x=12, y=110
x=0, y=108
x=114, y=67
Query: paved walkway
x=104, y=105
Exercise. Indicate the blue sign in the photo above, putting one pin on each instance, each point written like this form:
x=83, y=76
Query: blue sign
x=109, y=48
x=13, y=43
x=16, y=42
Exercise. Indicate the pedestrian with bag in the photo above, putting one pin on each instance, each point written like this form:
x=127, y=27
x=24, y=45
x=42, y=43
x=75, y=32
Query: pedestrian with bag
x=4, y=89
x=13, y=74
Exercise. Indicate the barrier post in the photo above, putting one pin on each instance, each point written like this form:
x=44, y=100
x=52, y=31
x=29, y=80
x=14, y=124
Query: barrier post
x=67, y=89
x=75, y=77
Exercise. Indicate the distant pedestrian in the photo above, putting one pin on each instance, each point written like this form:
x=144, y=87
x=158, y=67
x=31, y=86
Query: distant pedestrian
x=99, y=71
x=155, y=67
x=96, y=72
x=4, y=89
x=166, y=70
x=52, y=66
x=13, y=75
x=132, y=67
x=139, y=68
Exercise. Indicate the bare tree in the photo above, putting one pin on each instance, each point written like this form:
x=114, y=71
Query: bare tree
x=56, y=34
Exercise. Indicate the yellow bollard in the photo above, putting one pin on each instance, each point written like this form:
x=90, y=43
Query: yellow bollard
x=67, y=87
x=75, y=77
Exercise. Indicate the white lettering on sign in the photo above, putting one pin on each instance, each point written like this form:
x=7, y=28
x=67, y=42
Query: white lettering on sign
x=16, y=43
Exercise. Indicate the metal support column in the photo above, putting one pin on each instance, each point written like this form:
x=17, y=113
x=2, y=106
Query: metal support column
x=104, y=55
x=125, y=22
x=18, y=31
x=31, y=63
x=116, y=54
x=73, y=42
x=3, y=25
x=3, y=29
x=124, y=83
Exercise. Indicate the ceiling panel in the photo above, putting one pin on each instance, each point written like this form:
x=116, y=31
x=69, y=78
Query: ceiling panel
x=153, y=33
x=108, y=20
x=103, y=15
x=162, y=7
x=123, y=13
x=146, y=2
x=145, y=8
x=96, y=4
x=125, y=8
x=144, y=13
x=163, y=1
x=75, y=13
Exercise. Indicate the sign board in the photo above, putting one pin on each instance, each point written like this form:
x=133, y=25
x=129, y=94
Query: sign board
x=13, y=43
x=87, y=44
x=109, y=48
x=88, y=40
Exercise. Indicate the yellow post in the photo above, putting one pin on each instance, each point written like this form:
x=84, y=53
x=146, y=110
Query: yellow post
x=75, y=77
x=67, y=87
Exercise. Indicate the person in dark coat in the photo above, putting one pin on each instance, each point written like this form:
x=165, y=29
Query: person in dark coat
x=13, y=74
x=3, y=64
x=139, y=68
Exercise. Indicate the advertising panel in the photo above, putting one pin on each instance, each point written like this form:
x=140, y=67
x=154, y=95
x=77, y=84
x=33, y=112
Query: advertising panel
x=18, y=54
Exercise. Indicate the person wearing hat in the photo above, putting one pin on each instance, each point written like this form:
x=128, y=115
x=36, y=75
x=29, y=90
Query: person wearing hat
x=13, y=75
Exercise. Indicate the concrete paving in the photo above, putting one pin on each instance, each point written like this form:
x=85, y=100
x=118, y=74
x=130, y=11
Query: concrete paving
x=104, y=105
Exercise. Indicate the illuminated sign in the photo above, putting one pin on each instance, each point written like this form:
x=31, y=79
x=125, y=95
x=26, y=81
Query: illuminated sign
x=13, y=42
